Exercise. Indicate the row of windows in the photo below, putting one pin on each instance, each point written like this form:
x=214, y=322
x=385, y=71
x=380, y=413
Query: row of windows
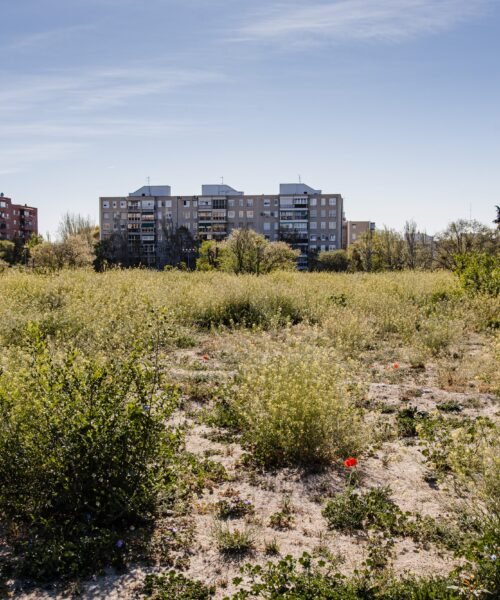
x=217, y=203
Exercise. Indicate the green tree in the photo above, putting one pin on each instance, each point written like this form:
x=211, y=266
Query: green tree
x=72, y=225
x=245, y=251
x=462, y=237
x=334, y=260
x=7, y=251
x=209, y=256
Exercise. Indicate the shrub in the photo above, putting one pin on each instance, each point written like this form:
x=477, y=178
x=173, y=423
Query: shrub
x=479, y=272
x=250, y=312
x=175, y=585
x=334, y=260
x=233, y=508
x=353, y=511
x=83, y=447
x=294, y=410
x=307, y=579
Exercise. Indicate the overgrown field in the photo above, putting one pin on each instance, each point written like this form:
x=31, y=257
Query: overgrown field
x=184, y=435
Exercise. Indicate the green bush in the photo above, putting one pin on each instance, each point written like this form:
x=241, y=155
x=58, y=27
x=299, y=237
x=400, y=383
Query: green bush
x=479, y=272
x=295, y=409
x=307, y=579
x=175, y=586
x=83, y=451
x=248, y=312
x=352, y=511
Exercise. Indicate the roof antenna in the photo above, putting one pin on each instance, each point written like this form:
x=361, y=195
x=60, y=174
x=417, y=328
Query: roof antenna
x=222, y=180
x=300, y=179
x=149, y=185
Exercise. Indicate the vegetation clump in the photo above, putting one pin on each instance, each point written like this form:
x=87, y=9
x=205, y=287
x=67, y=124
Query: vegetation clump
x=83, y=451
x=296, y=410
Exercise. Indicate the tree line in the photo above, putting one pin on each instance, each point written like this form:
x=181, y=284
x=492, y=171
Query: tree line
x=245, y=251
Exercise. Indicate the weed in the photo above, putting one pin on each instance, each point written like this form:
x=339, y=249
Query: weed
x=175, y=585
x=233, y=542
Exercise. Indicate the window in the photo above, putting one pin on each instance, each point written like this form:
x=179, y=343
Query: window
x=267, y=226
x=187, y=203
x=313, y=213
x=230, y=214
x=332, y=201
x=313, y=237
x=115, y=204
x=323, y=201
x=187, y=215
x=267, y=202
x=168, y=203
x=313, y=201
x=332, y=225
x=323, y=213
x=323, y=225
x=249, y=214
x=230, y=203
x=353, y=237
x=105, y=204
x=123, y=204
x=332, y=213
x=276, y=226
x=332, y=246
x=313, y=225
x=250, y=202
x=241, y=214
x=242, y=202
x=333, y=237
x=106, y=216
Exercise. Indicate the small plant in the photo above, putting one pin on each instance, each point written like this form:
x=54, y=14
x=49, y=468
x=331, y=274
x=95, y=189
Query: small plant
x=450, y=406
x=233, y=542
x=352, y=511
x=283, y=519
x=234, y=508
x=176, y=585
x=272, y=548
x=407, y=420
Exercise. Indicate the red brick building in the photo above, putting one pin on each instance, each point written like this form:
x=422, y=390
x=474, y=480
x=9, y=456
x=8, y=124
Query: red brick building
x=17, y=221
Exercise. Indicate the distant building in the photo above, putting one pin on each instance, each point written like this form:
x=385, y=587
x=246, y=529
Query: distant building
x=145, y=220
x=353, y=230
x=17, y=221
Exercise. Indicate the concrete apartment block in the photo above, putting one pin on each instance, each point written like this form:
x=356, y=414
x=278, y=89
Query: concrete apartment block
x=300, y=215
x=17, y=221
x=353, y=230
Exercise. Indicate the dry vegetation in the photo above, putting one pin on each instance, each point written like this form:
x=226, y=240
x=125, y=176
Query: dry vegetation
x=222, y=410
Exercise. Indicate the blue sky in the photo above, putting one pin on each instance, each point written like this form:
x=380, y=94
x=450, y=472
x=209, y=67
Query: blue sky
x=393, y=103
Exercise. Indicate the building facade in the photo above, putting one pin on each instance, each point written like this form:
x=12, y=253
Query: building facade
x=17, y=221
x=353, y=230
x=147, y=220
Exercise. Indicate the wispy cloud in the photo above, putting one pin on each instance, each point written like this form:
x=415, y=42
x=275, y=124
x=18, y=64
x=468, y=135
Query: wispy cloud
x=386, y=20
x=52, y=115
x=97, y=89
x=40, y=39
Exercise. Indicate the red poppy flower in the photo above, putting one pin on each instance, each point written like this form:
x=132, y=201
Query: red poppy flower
x=205, y=357
x=350, y=462
x=396, y=366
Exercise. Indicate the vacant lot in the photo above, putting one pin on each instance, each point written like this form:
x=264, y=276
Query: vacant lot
x=200, y=422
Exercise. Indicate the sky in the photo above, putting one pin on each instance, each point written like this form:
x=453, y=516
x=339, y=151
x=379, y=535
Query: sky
x=395, y=104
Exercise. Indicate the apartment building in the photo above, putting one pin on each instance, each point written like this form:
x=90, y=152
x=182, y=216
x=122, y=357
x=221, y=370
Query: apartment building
x=17, y=221
x=353, y=230
x=304, y=217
